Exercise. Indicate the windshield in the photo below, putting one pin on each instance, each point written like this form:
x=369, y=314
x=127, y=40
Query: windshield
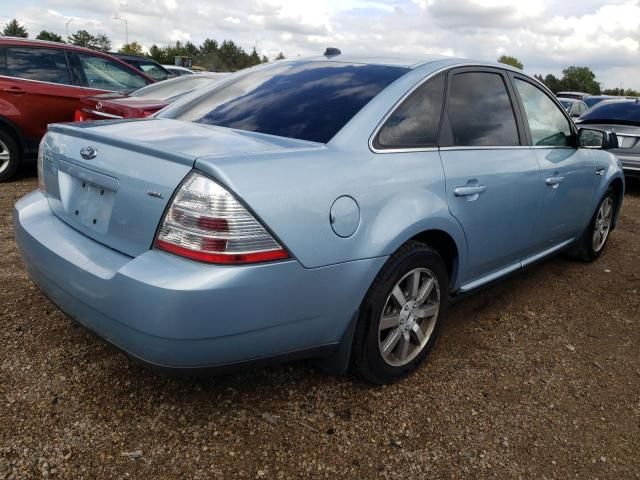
x=309, y=100
x=623, y=112
x=173, y=88
x=566, y=104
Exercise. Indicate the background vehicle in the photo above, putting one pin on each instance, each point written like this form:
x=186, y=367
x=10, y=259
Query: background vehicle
x=576, y=95
x=592, y=100
x=573, y=106
x=142, y=102
x=323, y=207
x=178, y=71
x=146, y=65
x=623, y=118
x=41, y=83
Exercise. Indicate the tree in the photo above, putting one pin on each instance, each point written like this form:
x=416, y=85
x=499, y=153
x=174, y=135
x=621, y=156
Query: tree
x=280, y=56
x=102, y=43
x=254, y=58
x=553, y=83
x=208, y=47
x=133, y=48
x=580, y=79
x=13, y=28
x=159, y=55
x=264, y=59
x=49, y=36
x=509, y=60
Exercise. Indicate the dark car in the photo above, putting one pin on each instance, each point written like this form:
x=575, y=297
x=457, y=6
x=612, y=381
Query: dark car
x=592, y=100
x=623, y=118
x=146, y=66
x=142, y=102
x=573, y=106
x=41, y=83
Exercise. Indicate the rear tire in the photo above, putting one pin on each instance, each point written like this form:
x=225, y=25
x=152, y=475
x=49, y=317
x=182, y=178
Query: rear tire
x=595, y=237
x=400, y=315
x=10, y=156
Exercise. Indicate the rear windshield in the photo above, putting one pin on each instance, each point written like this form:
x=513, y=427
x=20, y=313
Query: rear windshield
x=624, y=112
x=172, y=89
x=305, y=100
x=566, y=103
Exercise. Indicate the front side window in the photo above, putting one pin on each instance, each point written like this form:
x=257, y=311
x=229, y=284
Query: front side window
x=153, y=70
x=309, y=100
x=548, y=125
x=416, y=121
x=103, y=74
x=479, y=111
x=43, y=64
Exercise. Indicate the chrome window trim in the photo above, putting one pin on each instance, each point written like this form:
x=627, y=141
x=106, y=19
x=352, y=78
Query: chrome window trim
x=59, y=84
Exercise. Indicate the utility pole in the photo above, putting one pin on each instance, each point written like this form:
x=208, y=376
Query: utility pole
x=66, y=25
x=126, y=28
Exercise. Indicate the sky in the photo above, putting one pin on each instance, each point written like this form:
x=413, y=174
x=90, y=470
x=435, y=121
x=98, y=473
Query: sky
x=545, y=35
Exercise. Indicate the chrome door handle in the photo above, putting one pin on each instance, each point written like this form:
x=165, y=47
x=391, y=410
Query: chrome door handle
x=600, y=171
x=468, y=191
x=554, y=181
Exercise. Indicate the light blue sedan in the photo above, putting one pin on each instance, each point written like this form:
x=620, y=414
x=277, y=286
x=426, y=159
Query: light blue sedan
x=323, y=208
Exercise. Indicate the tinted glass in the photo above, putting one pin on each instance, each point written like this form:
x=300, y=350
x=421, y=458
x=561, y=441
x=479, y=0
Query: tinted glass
x=480, y=112
x=104, y=74
x=153, y=70
x=305, y=100
x=415, y=123
x=173, y=88
x=614, y=111
x=566, y=104
x=591, y=101
x=547, y=123
x=44, y=64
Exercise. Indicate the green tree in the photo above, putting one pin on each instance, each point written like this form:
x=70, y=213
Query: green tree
x=264, y=59
x=133, y=48
x=102, y=43
x=159, y=55
x=208, y=47
x=553, y=83
x=509, y=60
x=13, y=28
x=280, y=56
x=580, y=79
x=49, y=36
x=82, y=38
x=254, y=58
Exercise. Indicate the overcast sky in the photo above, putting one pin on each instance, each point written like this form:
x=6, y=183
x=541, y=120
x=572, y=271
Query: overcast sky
x=546, y=35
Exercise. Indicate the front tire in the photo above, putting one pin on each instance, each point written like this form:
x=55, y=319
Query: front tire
x=401, y=315
x=10, y=156
x=595, y=237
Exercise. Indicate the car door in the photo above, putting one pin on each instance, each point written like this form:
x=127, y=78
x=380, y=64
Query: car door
x=39, y=86
x=568, y=173
x=492, y=178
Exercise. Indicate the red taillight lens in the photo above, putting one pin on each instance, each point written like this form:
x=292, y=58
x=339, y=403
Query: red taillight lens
x=147, y=113
x=206, y=223
x=78, y=116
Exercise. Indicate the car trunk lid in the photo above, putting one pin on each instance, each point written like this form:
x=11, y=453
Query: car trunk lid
x=112, y=181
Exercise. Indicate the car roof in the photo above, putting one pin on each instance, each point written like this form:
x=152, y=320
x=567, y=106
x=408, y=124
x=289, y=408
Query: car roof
x=573, y=93
x=46, y=43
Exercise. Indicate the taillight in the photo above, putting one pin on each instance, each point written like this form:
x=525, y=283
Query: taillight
x=78, y=116
x=207, y=223
x=147, y=113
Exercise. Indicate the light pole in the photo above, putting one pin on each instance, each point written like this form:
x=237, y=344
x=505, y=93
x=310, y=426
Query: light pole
x=66, y=26
x=126, y=28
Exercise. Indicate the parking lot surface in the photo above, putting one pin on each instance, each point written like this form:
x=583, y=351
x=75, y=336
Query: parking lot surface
x=537, y=377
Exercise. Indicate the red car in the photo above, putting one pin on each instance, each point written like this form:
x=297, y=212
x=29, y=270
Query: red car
x=41, y=83
x=142, y=102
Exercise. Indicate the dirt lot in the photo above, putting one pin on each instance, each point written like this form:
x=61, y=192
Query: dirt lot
x=538, y=377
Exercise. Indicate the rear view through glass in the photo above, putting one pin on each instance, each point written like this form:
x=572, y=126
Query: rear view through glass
x=309, y=101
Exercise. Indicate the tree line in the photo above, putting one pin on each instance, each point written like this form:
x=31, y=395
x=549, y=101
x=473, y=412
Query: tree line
x=574, y=79
x=211, y=55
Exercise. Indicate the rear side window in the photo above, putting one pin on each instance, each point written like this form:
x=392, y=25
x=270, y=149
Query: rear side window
x=308, y=100
x=547, y=123
x=416, y=121
x=103, y=74
x=479, y=111
x=43, y=64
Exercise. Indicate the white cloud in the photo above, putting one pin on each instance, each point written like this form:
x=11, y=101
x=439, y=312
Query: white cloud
x=547, y=35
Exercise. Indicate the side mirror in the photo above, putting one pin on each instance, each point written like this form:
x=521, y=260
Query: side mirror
x=597, y=139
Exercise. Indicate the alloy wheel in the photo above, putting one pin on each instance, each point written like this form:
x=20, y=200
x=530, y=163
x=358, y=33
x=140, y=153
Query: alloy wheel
x=5, y=156
x=602, y=224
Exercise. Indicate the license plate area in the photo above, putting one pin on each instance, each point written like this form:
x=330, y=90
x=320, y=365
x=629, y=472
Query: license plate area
x=87, y=197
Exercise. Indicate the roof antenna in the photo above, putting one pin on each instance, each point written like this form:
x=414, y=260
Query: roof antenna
x=332, y=52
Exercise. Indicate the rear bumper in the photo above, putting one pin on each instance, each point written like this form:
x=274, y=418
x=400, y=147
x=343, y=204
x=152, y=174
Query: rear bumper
x=179, y=314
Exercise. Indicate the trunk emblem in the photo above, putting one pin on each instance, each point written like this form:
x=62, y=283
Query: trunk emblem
x=99, y=106
x=88, y=153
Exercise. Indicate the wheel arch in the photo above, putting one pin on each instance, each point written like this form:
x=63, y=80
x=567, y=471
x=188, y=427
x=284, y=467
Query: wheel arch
x=14, y=131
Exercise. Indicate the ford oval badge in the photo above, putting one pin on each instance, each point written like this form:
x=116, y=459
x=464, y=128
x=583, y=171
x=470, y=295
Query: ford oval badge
x=88, y=153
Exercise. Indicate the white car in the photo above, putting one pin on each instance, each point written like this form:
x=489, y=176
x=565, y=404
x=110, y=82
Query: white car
x=178, y=71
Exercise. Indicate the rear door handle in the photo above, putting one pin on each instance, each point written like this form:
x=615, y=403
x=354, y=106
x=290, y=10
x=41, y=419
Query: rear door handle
x=468, y=191
x=14, y=90
x=554, y=181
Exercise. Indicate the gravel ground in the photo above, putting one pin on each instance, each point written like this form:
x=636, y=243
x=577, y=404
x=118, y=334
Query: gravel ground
x=537, y=377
